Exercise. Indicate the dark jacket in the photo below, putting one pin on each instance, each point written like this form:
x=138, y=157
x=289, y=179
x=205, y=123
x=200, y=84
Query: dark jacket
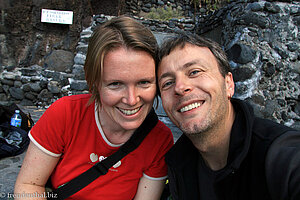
x=263, y=162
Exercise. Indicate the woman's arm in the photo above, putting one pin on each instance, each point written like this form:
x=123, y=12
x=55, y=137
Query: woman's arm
x=35, y=171
x=149, y=189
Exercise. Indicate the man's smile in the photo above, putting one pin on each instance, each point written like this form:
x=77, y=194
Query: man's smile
x=190, y=106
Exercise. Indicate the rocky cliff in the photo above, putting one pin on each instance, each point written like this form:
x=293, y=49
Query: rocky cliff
x=261, y=39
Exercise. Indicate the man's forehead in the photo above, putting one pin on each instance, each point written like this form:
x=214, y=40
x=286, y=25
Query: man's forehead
x=186, y=55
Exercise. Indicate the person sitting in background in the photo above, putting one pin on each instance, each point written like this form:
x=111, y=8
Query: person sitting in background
x=225, y=153
x=78, y=131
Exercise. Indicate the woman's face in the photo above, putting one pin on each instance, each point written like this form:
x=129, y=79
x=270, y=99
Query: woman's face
x=127, y=89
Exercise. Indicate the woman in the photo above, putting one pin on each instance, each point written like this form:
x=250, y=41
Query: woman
x=78, y=131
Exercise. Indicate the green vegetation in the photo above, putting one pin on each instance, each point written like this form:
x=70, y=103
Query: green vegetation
x=209, y=4
x=164, y=14
x=167, y=12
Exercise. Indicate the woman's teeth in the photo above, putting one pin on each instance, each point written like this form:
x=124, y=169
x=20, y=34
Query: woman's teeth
x=190, y=107
x=129, y=112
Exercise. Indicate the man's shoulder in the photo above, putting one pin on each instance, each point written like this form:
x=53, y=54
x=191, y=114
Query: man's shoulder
x=266, y=128
x=282, y=165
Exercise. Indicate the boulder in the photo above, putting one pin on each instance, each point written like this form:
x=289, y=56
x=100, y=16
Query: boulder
x=60, y=60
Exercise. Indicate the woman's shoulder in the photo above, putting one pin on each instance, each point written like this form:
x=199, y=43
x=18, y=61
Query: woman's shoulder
x=162, y=127
x=78, y=97
x=69, y=105
x=72, y=100
x=162, y=131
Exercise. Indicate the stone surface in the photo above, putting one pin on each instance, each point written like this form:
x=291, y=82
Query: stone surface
x=261, y=39
x=241, y=53
x=267, y=78
x=267, y=75
x=16, y=93
x=59, y=60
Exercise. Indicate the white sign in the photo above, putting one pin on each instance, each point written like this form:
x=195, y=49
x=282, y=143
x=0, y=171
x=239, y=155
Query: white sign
x=57, y=16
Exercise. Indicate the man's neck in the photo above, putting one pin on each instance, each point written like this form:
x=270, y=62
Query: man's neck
x=213, y=145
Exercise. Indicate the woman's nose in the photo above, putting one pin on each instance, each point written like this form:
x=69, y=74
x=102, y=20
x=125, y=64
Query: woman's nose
x=131, y=98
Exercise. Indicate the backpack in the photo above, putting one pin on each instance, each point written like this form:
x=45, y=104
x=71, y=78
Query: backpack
x=13, y=140
x=7, y=111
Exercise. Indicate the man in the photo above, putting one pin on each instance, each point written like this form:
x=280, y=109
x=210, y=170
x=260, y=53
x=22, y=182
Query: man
x=225, y=152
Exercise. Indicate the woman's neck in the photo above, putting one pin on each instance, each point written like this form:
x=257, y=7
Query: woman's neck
x=114, y=134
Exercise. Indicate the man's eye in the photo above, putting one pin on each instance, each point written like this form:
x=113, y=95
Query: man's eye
x=167, y=84
x=194, y=72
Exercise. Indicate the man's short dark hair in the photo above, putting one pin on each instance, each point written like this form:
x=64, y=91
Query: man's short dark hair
x=182, y=39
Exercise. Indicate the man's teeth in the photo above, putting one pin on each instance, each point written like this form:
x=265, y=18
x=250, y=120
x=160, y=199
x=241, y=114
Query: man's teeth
x=129, y=112
x=190, y=107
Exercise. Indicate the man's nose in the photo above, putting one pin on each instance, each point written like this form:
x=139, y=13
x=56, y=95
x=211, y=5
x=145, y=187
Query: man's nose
x=182, y=86
x=132, y=97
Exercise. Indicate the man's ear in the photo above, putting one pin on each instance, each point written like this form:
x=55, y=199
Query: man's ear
x=229, y=85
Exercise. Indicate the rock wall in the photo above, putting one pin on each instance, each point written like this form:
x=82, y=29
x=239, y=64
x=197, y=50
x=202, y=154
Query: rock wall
x=262, y=42
x=25, y=40
x=200, y=20
x=260, y=38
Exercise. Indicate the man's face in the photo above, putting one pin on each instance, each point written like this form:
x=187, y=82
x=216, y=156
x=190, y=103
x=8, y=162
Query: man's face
x=194, y=93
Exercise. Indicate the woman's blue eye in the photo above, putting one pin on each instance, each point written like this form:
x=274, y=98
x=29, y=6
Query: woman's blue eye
x=144, y=82
x=114, y=84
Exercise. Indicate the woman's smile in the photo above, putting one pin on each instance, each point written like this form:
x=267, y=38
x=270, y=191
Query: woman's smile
x=129, y=112
x=128, y=88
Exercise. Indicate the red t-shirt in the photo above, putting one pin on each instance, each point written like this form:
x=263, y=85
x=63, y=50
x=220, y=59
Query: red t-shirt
x=71, y=129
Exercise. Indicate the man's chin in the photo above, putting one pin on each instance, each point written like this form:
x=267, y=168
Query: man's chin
x=193, y=129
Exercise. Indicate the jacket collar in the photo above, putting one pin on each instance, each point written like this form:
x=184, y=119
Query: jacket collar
x=184, y=154
x=241, y=133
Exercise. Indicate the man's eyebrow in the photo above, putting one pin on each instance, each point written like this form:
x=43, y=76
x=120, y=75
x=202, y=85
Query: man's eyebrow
x=186, y=65
x=164, y=75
